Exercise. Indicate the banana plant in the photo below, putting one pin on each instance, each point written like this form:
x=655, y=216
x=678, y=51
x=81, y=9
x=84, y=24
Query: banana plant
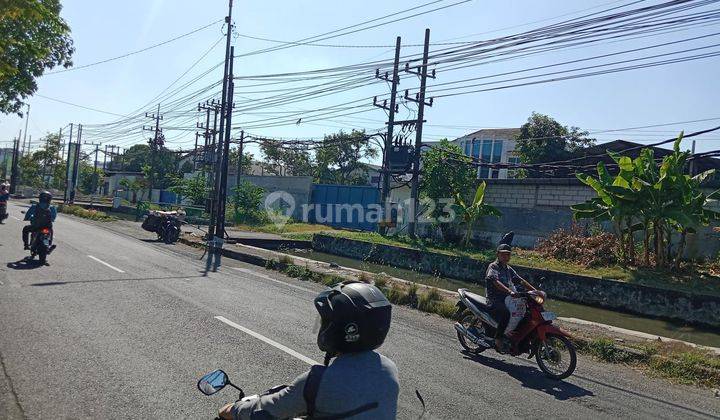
x=473, y=211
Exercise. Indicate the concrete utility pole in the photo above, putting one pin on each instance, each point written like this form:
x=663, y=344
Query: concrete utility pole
x=67, y=168
x=95, y=165
x=216, y=233
x=14, y=167
x=392, y=110
x=240, y=158
x=27, y=118
x=692, y=162
x=155, y=143
x=420, y=99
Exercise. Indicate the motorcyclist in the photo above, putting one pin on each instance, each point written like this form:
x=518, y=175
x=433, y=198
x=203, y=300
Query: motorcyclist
x=40, y=215
x=359, y=383
x=501, y=281
x=4, y=197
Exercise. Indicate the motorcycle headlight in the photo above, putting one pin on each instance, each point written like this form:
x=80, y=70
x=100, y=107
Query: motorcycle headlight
x=539, y=299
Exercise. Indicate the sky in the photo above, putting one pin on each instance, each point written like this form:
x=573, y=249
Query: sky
x=101, y=30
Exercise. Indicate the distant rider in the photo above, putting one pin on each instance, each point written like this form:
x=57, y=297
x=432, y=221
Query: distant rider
x=4, y=197
x=501, y=281
x=359, y=383
x=41, y=215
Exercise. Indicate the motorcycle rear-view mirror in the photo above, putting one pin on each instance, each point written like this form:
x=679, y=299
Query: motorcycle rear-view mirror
x=213, y=382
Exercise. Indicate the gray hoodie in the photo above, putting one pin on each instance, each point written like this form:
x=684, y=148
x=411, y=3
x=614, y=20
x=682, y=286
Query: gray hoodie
x=350, y=381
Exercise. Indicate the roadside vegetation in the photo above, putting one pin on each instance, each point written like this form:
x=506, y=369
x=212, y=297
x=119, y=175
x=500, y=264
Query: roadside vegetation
x=85, y=213
x=674, y=361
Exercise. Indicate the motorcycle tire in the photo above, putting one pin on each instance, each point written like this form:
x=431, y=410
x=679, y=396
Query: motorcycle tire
x=467, y=320
x=42, y=256
x=171, y=235
x=571, y=352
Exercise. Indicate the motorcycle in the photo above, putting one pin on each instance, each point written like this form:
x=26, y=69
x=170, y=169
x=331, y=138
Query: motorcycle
x=536, y=335
x=216, y=380
x=41, y=244
x=165, y=224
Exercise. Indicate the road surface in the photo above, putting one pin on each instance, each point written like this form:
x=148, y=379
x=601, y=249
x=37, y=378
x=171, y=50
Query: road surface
x=121, y=327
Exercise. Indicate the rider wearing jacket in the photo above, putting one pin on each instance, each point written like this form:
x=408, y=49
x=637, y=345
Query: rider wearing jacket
x=359, y=383
x=4, y=197
x=501, y=280
x=40, y=215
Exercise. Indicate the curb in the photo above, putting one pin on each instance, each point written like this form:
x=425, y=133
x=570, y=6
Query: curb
x=631, y=353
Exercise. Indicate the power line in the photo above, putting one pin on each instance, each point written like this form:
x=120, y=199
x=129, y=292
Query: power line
x=136, y=51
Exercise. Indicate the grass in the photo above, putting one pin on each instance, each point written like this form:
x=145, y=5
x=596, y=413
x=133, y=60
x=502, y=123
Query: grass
x=289, y=229
x=85, y=213
x=689, y=279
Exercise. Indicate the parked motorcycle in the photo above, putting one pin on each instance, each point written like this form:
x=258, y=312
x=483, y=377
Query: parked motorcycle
x=3, y=211
x=165, y=224
x=536, y=335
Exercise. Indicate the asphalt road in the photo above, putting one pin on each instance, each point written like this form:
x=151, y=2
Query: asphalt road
x=119, y=327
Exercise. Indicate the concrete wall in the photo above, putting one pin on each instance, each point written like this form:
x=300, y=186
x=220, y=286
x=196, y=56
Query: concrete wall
x=611, y=294
x=298, y=187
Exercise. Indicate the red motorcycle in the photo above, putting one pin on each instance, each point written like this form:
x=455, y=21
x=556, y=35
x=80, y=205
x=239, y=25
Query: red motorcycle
x=536, y=335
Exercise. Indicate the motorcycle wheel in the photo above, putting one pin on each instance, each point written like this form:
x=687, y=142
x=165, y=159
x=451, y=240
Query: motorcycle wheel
x=556, y=357
x=471, y=321
x=171, y=235
x=42, y=256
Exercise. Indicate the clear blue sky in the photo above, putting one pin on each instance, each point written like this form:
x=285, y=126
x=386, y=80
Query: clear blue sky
x=686, y=91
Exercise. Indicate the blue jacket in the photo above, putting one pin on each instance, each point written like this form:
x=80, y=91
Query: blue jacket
x=31, y=212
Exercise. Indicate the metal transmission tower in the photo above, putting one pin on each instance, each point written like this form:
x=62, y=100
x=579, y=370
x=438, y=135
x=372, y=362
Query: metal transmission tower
x=156, y=143
x=419, y=98
x=392, y=110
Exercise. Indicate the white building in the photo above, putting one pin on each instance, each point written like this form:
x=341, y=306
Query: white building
x=492, y=145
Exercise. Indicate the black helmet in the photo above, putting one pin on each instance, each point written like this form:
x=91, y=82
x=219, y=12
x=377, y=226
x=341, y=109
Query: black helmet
x=354, y=317
x=45, y=197
x=504, y=248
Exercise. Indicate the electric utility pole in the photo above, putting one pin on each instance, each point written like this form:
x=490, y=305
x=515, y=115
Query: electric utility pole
x=392, y=110
x=222, y=199
x=27, y=118
x=14, y=167
x=156, y=143
x=95, y=166
x=420, y=99
x=240, y=159
x=216, y=233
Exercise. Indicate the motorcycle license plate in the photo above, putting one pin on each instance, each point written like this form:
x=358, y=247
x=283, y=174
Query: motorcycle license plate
x=46, y=242
x=549, y=316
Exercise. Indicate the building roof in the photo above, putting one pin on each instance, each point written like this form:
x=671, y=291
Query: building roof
x=505, y=133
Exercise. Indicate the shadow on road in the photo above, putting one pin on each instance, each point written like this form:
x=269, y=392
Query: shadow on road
x=25, y=264
x=532, y=378
x=61, y=283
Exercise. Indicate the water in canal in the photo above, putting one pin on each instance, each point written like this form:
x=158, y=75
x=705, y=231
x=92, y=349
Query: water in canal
x=671, y=329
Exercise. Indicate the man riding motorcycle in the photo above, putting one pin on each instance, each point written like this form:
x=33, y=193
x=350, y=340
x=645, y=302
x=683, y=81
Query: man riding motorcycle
x=359, y=383
x=500, y=290
x=4, y=197
x=41, y=215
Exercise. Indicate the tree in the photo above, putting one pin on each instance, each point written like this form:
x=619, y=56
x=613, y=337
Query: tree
x=542, y=139
x=246, y=201
x=44, y=165
x=134, y=186
x=338, y=158
x=473, y=211
x=33, y=38
x=446, y=174
x=194, y=188
x=246, y=161
x=88, y=178
x=657, y=199
x=159, y=167
x=284, y=160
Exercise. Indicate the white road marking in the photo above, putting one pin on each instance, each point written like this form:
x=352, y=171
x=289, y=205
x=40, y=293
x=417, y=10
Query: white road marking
x=19, y=220
x=262, y=276
x=275, y=344
x=106, y=264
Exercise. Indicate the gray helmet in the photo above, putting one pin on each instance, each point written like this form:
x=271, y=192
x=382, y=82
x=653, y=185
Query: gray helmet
x=504, y=248
x=354, y=317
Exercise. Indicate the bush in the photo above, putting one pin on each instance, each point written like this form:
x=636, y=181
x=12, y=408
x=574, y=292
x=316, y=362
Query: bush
x=85, y=213
x=577, y=246
x=429, y=300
